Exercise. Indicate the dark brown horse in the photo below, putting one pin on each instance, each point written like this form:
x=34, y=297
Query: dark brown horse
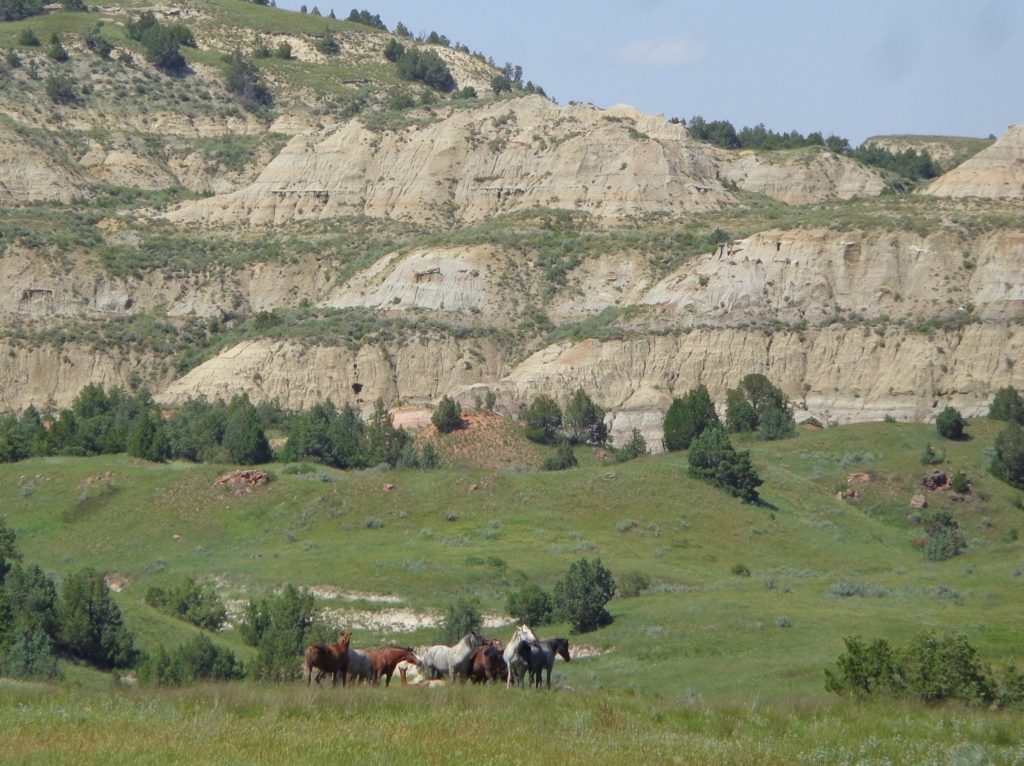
x=328, y=658
x=385, y=659
x=488, y=665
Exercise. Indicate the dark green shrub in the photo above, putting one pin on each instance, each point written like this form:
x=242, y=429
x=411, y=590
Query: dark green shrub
x=394, y=50
x=280, y=627
x=1007, y=405
x=461, y=617
x=583, y=420
x=326, y=44
x=687, y=418
x=945, y=540
x=1008, y=461
x=758, y=405
x=148, y=440
x=634, y=448
x=960, y=483
x=448, y=415
x=57, y=51
x=15, y=10
x=542, y=419
x=740, y=570
x=60, y=89
x=938, y=667
x=950, y=424
x=713, y=458
x=31, y=653
x=530, y=604
x=161, y=45
x=864, y=668
x=563, y=458
x=283, y=51
x=367, y=19
x=199, y=604
x=426, y=67
x=242, y=78
x=198, y=659
x=930, y=456
x=91, y=626
x=28, y=38
x=631, y=584
x=581, y=595
x=244, y=439
x=95, y=41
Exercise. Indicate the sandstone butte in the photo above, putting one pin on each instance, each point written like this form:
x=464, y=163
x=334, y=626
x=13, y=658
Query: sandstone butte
x=827, y=313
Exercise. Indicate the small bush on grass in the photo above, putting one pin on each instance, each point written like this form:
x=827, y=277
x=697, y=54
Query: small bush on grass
x=530, y=604
x=461, y=617
x=189, y=600
x=581, y=595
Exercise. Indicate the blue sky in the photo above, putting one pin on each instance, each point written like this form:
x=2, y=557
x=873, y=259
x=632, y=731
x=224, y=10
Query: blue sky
x=856, y=69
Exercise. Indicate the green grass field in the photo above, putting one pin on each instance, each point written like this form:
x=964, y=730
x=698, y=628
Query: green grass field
x=706, y=665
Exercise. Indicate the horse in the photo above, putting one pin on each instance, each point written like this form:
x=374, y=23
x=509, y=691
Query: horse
x=516, y=664
x=487, y=665
x=386, y=659
x=328, y=658
x=360, y=668
x=452, y=661
x=541, y=656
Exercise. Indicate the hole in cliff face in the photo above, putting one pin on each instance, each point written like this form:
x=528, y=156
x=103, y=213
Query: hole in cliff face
x=357, y=388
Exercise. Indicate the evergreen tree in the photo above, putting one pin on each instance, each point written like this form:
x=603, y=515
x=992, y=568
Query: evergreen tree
x=1008, y=460
x=448, y=415
x=242, y=78
x=583, y=420
x=1007, y=405
x=581, y=595
x=542, y=420
x=688, y=417
x=91, y=627
x=713, y=458
x=950, y=424
x=384, y=442
x=244, y=440
x=147, y=439
x=31, y=654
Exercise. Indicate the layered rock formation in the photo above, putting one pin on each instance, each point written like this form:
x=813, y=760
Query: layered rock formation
x=499, y=158
x=993, y=173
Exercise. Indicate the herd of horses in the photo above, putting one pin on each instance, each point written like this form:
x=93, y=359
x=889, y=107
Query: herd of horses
x=473, y=658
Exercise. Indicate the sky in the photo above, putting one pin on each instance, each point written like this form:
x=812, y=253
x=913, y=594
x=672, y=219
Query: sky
x=853, y=69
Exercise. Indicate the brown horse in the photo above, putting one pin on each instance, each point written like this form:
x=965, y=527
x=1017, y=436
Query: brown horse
x=386, y=658
x=488, y=665
x=328, y=658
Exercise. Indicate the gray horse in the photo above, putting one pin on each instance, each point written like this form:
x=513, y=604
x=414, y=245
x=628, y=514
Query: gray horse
x=359, y=667
x=541, y=656
x=517, y=666
x=451, y=661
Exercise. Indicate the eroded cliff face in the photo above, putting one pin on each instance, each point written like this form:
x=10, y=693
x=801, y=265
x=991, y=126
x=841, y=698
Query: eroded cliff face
x=834, y=374
x=503, y=157
x=993, y=173
x=419, y=370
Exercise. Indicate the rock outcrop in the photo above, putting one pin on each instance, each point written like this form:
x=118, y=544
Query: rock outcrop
x=499, y=158
x=800, y=176
x=993, y=173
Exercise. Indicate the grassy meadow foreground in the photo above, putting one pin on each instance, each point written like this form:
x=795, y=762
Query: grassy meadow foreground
x=256, y=724
x=704, y=666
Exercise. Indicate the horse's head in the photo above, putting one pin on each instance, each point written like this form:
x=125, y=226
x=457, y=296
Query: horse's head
x=410, y=656
x=474, y=639
x=344, y=639
x=561, y=646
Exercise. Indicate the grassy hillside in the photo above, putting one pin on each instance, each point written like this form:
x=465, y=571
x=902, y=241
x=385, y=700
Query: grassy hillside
x=428, y=537
x=713, y=665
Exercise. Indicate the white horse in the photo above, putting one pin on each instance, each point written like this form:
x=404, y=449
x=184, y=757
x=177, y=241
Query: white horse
x=359, y=667
x=452, y=661
x=516, y=664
